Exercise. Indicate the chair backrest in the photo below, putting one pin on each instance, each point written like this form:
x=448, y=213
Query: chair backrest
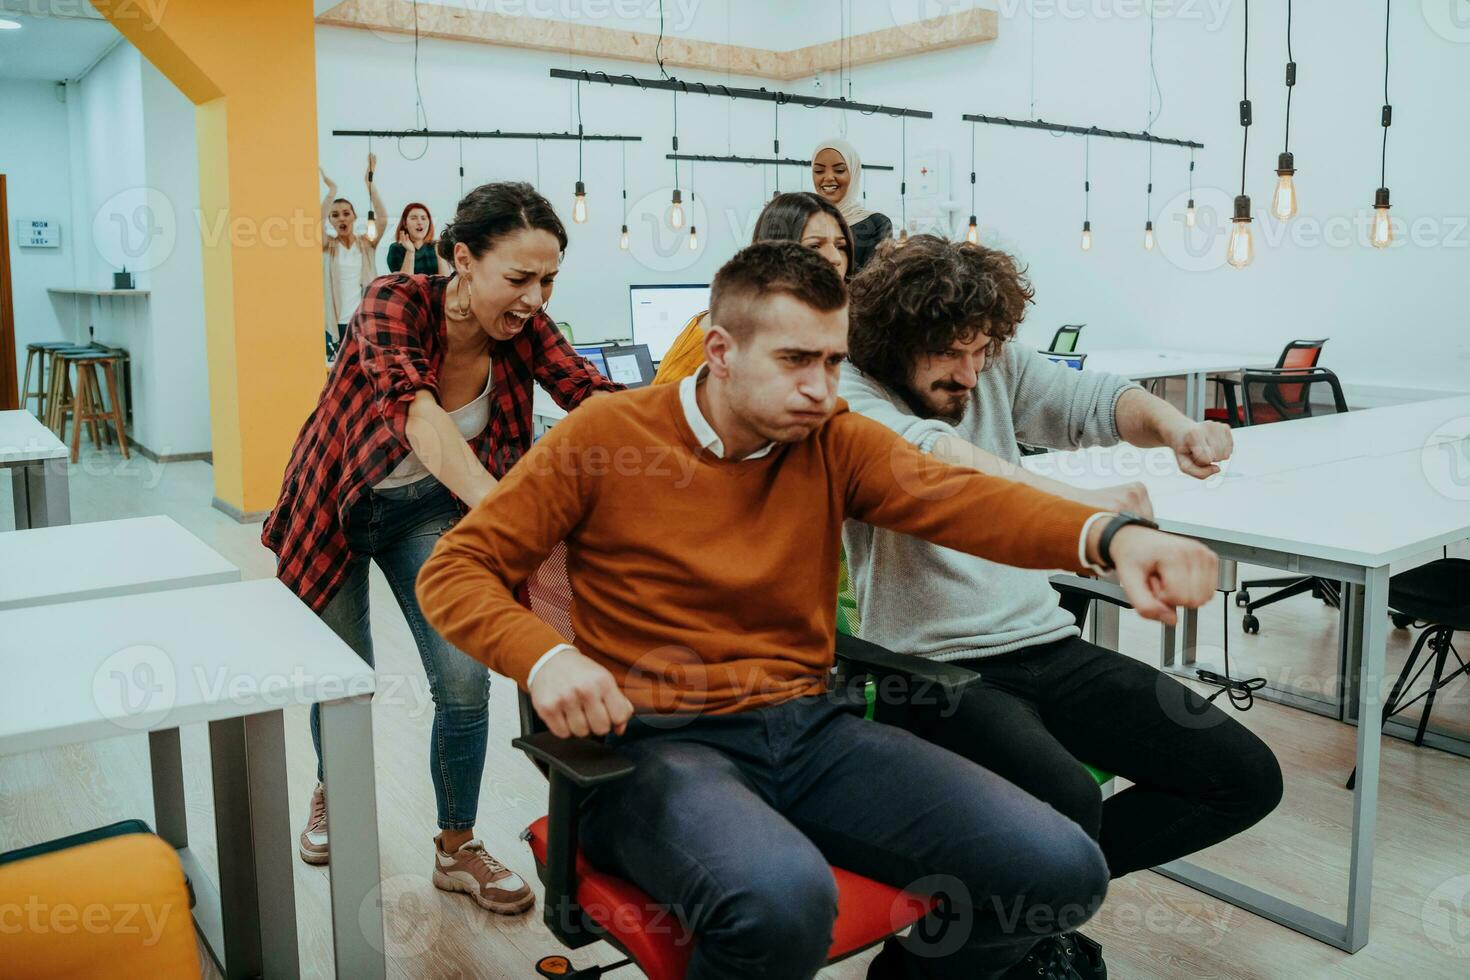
x=1300, y=354
x=1280, y=394
x=1064, y=341
x=548, y=594
x=1073, y=361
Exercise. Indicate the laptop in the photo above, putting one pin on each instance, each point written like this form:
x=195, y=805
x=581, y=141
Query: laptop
x=627, y=364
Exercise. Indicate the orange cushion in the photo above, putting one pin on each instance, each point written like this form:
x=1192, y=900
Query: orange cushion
x=116, y=909
x=867, y=912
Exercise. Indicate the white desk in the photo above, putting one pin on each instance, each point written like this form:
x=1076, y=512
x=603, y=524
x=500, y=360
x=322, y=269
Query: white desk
x=1143, y=364
x=37, y=462
x=232, y=656
x=1343, y=519
x=73, y=562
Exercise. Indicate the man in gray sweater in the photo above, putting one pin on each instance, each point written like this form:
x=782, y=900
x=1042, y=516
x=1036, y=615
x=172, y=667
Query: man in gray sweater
x=932, y=356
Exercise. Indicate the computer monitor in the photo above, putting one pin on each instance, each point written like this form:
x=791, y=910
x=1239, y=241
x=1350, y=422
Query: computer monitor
x=1073, y=361
x=627, y=364
x=660, y=312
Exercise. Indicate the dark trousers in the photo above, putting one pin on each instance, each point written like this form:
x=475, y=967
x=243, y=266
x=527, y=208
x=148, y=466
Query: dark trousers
x=1199, y=775
x=732, y=821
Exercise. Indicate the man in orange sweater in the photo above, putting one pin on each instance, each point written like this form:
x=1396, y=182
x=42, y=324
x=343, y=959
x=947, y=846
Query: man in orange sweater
x=702, y=524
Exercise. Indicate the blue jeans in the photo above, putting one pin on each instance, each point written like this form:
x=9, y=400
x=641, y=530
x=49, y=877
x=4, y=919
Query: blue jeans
x=732, y=820
x=398, y=528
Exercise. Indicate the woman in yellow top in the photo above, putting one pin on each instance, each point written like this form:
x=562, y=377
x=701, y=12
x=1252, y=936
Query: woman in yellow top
x=800, y=217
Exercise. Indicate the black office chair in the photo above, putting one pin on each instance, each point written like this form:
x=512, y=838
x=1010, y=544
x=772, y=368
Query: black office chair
x=1436, y=595
x=1281, y=395
x=1297, y=354
x=1064, y=341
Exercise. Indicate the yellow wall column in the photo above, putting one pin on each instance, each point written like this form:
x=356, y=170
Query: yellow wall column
x=250, y=69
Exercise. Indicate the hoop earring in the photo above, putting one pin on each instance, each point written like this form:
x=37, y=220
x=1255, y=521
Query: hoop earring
x=462, y=298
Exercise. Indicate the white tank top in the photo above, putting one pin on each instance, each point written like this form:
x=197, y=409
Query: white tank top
x=470, y=419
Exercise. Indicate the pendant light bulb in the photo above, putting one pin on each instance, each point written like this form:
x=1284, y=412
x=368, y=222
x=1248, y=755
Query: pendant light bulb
x=372, y=226
x=676, y=210
x=903, y=236
x=693, y=238
x=972, y=234
x=579, y=204
x=1241, y=248
x=623, y=239
x=1382, y=236
x=1148, y=236
x=1189, y=214
x=1283, y=202
x=1086, y=236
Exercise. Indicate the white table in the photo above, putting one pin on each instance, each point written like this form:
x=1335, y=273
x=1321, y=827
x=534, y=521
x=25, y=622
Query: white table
x=232, y=656
x=1344, y=519
x=73, y=562
x=1144, y=364
x=37, y=462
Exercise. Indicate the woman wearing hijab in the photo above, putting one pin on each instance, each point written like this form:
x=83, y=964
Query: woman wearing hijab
x=837, y=175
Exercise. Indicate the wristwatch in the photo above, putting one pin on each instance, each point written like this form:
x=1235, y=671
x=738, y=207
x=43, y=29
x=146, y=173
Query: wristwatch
x=1114, y=525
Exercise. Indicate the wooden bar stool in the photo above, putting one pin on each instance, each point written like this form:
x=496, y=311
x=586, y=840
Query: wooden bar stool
x=41, y=352
x=58, y=387
x=86, y=404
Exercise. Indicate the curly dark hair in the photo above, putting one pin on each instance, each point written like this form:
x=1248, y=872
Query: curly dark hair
x=921, y=297
x=765, y=269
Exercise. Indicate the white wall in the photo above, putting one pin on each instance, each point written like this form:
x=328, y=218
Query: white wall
x=1395, y=317
x=34, y=159
x=135, y=194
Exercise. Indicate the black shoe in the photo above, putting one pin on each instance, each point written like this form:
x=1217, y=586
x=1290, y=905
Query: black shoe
x=891, y=963
x=1087, y=958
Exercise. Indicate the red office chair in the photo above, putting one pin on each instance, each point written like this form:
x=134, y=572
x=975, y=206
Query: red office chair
x=584, y=905
x=1281, y=395
x=1297, y=354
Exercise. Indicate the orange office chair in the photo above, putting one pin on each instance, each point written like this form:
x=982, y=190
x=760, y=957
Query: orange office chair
x=584, y=905
x=1299, y=354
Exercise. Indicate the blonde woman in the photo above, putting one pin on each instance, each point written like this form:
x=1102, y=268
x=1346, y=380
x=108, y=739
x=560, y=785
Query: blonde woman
x=347, y=257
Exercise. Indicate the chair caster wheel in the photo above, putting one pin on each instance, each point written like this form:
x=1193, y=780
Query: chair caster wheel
x=1242, y=598
x=560, y=968
x=1401, y=621
x=1250, y=624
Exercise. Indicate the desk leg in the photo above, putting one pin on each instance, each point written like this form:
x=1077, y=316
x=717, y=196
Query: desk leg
x=253, y=828
x=42, y=494
x=1193, y=386
x=1188, y=632
x=1373, y=630
x=1349, y=651
x=352, y=825
x=1102, y=625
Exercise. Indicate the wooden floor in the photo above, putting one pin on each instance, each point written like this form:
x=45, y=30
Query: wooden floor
x=1150, y=927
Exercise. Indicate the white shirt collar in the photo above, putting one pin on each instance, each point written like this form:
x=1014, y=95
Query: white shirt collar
x=699, y=425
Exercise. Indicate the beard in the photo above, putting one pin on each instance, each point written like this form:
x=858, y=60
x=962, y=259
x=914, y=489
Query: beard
x=945, y=402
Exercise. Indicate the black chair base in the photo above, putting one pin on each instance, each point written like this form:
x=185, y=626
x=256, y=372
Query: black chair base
x=1440, y=642
x=1321, y=588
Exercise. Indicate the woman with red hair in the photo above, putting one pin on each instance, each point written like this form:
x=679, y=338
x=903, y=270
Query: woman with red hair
x=414, y=251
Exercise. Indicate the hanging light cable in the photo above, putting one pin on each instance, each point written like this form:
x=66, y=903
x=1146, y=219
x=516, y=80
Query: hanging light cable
x=1148, y=199
x=1283, y=202
x=623, y=238
x=776, y=146
x=903, y=184
x=460, y=141
x=1189, y=208
x=972, y=235
x=1240, y=249
x=1087, y=193
x=693, y=230
x=676, y=202
x=579, y=201
x=1382, y=235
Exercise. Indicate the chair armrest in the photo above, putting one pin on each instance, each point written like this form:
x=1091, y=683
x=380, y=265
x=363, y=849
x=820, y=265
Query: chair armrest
x=862, y=657
x=1077, y=594
x=585, y=762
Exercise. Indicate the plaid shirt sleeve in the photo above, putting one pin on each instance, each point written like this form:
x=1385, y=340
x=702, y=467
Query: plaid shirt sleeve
x=566, y=375
x=392, y=326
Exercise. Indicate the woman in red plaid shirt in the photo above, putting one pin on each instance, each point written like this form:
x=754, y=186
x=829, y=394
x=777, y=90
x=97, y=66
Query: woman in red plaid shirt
x=428, y=404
